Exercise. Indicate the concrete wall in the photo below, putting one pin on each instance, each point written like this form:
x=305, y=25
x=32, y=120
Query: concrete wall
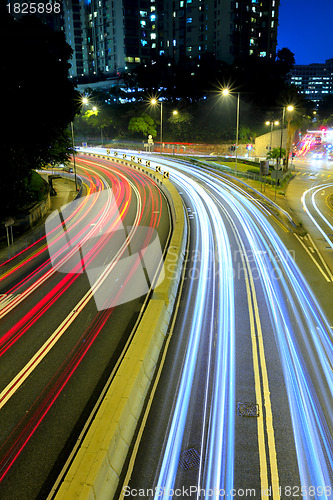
x=262, y=143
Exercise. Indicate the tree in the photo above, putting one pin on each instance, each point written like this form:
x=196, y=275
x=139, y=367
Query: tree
x=143, y=124
x=276, y=154
x=286, y=59
x=180, y=123
x=38, y=103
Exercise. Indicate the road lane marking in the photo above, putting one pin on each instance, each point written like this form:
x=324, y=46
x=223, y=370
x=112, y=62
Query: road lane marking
x=313, y=259
x=24, y=373
x=258, y=346
x=327, y=269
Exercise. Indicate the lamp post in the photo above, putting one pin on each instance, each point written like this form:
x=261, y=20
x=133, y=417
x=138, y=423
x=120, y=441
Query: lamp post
x=272, y=127
x=226, y=92
x=84, y=100
x=288, y=108
x=154, y=102
x=73, y=144
x=174, y=113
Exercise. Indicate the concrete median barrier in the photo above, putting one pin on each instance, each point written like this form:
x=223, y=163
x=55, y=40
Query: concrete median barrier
x=94, y=472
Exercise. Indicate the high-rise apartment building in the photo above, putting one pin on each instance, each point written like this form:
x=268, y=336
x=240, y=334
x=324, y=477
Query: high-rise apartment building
x=230, y=29
x=314, y=81
x=109, y=35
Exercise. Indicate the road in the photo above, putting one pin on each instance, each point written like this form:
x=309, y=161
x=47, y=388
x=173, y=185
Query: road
x=65, y=321
x=243, y=404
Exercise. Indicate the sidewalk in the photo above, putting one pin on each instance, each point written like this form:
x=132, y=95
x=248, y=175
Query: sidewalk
x=65, y=189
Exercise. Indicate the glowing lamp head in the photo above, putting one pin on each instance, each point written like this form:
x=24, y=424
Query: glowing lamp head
x=225, y=91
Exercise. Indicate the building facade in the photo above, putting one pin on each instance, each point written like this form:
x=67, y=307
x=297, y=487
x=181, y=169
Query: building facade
x=228, y=29
x=314, y=81
x=108, y=36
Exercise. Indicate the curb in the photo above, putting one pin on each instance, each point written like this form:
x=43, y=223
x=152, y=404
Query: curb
x=96, y=468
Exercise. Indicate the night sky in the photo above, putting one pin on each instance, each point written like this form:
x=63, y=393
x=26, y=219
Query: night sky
x=306, y=28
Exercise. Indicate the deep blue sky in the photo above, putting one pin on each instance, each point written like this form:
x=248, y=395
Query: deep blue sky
x=306, y=28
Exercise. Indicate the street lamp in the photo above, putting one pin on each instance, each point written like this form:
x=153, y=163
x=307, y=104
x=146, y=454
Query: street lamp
x=154, y=102
x=226, y=92
x=174, y=113
x=272, y=126
x=84, y=100
x=289, y=108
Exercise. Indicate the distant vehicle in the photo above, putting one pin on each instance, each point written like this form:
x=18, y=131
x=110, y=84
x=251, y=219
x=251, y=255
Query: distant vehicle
x=65, y=168
x=318, y=139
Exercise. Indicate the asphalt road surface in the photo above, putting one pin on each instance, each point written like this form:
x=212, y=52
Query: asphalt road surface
x=243, y=405
x=61, y=338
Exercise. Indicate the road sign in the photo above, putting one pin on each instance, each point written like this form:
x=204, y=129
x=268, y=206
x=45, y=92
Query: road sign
x=166, y=175
x=277, y=175
x=264, y=167
x=9, y=222
x=158, y=169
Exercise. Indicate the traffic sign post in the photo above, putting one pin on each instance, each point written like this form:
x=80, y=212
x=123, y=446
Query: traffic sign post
x=264, y=170
x=150, y=142
x=276, y=174
x=9, y=223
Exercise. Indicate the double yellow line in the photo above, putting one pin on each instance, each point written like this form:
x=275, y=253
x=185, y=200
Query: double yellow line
x=265, y=419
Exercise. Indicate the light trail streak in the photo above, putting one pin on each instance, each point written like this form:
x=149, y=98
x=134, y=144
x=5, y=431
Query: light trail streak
x=218, y=469
x=76, y=218
x=314, y=191
x=142, y=187
x=313, y=438
x=303, y=338
x=301, y=331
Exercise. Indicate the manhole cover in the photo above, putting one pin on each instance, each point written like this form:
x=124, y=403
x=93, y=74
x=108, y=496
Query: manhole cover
x=189, y=459
x=248, y=409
